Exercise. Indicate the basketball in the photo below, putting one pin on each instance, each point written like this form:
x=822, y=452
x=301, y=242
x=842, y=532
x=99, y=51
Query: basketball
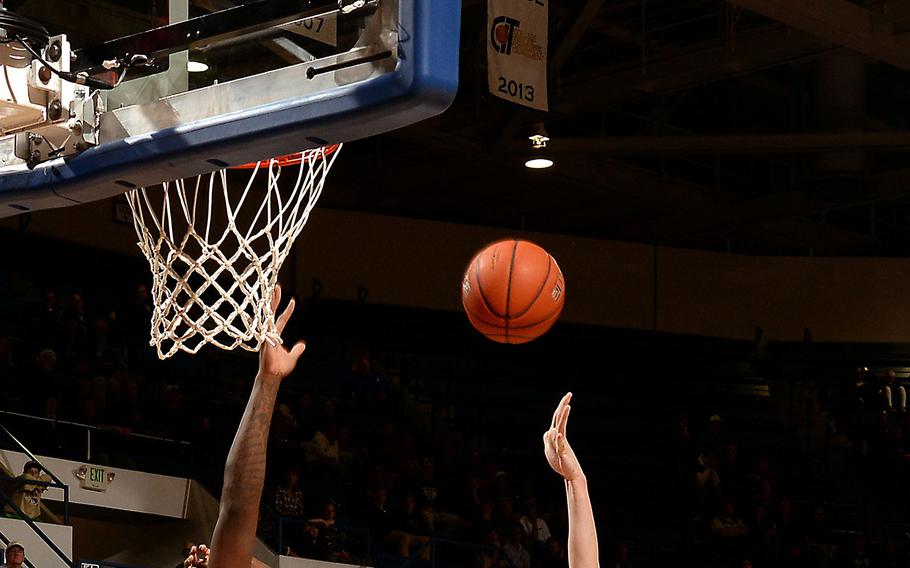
x=513, y=291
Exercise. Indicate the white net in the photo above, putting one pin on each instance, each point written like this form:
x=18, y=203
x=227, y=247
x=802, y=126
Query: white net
x=215, y=253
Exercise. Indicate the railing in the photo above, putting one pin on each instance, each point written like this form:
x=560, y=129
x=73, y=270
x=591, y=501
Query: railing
x=90, y=428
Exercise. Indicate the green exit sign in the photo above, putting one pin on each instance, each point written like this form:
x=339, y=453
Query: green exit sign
x=94, y=478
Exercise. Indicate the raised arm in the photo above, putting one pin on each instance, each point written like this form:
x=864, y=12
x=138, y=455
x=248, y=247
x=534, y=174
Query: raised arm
x=244, y=472
x=583, y=552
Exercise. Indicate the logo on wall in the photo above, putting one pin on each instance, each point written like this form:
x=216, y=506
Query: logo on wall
x=502, y=33
x=507, y=38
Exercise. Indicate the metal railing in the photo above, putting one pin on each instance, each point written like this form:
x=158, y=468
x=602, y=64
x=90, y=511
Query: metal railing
x=91, y=428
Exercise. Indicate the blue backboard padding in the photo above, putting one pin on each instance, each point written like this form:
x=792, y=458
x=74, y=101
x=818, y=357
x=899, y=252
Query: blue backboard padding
x=422, y=85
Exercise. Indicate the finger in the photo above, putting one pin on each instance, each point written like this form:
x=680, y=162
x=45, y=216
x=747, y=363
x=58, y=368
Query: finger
x=564, y=419
x=298, y=349
x=276, y=297
x=548, y=437
x=285, y=316
x=555, y=420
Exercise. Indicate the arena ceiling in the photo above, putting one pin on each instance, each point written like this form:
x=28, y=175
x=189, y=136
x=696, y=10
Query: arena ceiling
x=754, y=126
x=750, y=126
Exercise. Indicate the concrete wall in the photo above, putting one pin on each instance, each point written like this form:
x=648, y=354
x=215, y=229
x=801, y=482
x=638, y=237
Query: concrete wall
x=134, y=491
x=419, y=264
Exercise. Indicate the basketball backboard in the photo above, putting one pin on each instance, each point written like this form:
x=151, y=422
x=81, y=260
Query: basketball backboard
x=279, y=76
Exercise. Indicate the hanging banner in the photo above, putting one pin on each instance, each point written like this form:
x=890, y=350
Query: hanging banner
x=517, y=51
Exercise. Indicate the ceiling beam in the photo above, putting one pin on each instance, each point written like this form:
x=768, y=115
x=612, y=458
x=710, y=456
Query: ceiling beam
x=837, y=21
x=728, y=144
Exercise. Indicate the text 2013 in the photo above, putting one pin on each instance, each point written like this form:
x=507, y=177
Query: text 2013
x=515, y=89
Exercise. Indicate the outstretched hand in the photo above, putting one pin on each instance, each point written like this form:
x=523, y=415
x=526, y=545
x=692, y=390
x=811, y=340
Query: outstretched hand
x=277, y=361
x=556, y=447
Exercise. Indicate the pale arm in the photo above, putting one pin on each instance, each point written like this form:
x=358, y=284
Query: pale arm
x=583, y=549
x=244, y=471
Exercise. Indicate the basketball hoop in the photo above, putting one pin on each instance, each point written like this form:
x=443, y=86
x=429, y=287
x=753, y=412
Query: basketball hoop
x=215, y=262
x=284, y=161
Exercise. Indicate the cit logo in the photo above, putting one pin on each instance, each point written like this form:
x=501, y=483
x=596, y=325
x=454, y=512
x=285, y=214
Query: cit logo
x=502, y=33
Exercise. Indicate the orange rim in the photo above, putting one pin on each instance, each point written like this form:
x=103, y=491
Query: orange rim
x=290, y=159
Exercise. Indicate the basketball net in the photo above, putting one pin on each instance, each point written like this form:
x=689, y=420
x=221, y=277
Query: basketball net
x=215, y=262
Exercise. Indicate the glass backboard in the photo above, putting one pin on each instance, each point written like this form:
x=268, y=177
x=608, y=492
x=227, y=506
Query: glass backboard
x=175, y=88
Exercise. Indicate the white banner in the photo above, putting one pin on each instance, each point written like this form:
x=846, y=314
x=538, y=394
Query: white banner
x=517, y=51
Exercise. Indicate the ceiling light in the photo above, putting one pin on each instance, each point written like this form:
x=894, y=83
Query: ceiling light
x=539, y=159
x=196, y=66
x=539, y=163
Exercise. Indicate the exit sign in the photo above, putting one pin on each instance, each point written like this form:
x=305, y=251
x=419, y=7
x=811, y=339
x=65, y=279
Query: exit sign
x=94, y=478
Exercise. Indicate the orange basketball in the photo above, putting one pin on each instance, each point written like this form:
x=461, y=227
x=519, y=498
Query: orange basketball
x=513, y=291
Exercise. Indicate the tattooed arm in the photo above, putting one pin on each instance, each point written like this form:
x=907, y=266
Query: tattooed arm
x=244, y=472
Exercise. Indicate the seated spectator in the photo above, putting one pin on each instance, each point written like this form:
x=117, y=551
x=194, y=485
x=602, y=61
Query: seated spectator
x=554, y=555
x=892, y=394
x=764, y=481
x=514, y=552
x=381, y=525
x=534, y=527
x=893, y=556
x=482, y=521
x=48, y=438
x=324, y=445
x=762, y=534
x=729, y=531
x=820, y=539
x=327, y=520
x=430, y=501
x=27, y=496
x=288, y=496
x=858, y=557
x=330, y=539
x=409, y=519
x=727, y=525
x=731, y=471
x=491, y=556
x=712, y=440
x=789, y=534
x=707, y=482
